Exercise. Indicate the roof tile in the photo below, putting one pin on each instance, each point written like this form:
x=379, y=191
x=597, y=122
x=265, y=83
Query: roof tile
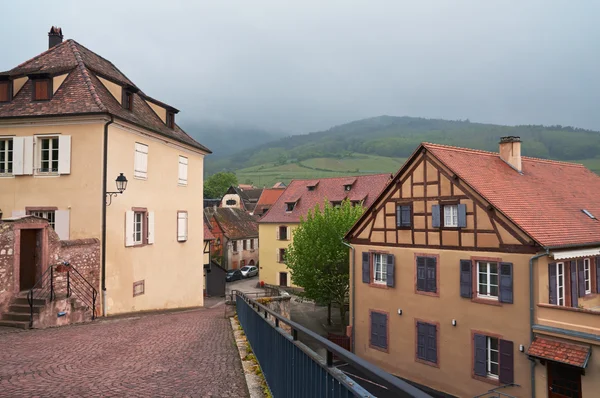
x=559, y=351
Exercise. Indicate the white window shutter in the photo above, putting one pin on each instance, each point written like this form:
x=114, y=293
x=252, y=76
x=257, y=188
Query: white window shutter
x=183, y=170
x=181, y=227
x=141, y=161
x=18, y=145
x=288, y=232
x=150, y=227
x=61, y=223
x=28, y=155
x=278, y=237
x=19, y=213
x=129, y=241
x=64, y=154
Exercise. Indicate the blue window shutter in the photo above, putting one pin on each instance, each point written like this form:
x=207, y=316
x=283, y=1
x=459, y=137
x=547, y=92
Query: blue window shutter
x=430, y=275
x=507, y=368
x=421, y=340
x=552, y=299
x=581, y=278
x=390, y=270
x=435, y=216
x=480, y=365
x=574, y=296
x=432, y=344
x=375, y=328
x=398, y=215
x=466, y=280
x=421, y=274
x=462, y=216
x=598, y=274
x=383, y=331
x=406, y=216
x=366, y=267
x=506, y=283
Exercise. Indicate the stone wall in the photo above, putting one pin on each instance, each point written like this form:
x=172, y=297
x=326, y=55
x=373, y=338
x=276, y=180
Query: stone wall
x=6, y=265
x=280, y=305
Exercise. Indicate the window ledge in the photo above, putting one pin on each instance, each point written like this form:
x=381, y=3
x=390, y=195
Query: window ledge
x=138, y=245
x=379, y=285
x=140, y=178
x=432, y=294
x=481, y=300
x=428, y=363
x=7, y=175
x=572, y=309
x=488, y=380
x=386, y=350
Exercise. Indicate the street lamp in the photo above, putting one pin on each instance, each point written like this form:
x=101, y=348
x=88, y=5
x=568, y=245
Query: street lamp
x=121, y=182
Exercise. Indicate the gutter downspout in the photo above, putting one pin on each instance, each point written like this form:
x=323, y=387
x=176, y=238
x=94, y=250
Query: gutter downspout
x=104, y=173
x=531, y=313
x=352, y=298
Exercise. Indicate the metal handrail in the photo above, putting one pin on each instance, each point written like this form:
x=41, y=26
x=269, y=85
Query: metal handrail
x=41, y=287
x=82, y=294
x=333, y=349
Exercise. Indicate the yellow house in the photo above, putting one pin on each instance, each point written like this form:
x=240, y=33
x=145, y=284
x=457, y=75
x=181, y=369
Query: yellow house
x=276, y=227
x=71, y=123
x=476, y=271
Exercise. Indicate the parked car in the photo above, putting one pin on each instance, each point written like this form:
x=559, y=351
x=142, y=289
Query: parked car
x=233, y=275
x=249, y=271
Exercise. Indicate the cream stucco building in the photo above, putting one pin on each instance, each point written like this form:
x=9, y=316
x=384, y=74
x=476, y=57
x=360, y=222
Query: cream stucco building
x=70, y=124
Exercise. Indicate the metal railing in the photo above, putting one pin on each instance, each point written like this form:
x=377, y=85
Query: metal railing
x=291, y=369
x=82, y=288
x=494, y=393
x=42, y=290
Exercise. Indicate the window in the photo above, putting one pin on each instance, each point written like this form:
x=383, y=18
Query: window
x=380, y=268
x=183, y=170
x=48, y=215
x=451, y=216
x=427, y=342
x=6, y=156
x=347, y=187
x=251, y=244
x=493, y=358
x=560, y=283
x=127, y=100
x=336, y=204
x=138, y=228
x=290, y=206
x=49, y=151
x=587, y=276
x=5, y=91
x=403, y=218
x=182, y=226
x=427, y=274
x=378, y=338
x=244, y=245
x=282, y=233
x=42, y=89
x=234, y=245
x=140, y=167
x=311, y=187
x=487, y=280
x=281, y=256
x=170, y=120
x=230, y=202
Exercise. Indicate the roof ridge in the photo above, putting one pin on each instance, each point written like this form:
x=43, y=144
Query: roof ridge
x=86, y=75
x=100, y=56
x=40, y=55
x=331, y=178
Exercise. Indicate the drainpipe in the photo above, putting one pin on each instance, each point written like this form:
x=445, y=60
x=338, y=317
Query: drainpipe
x=531, y=313
x=104, y=172
x=353, y=284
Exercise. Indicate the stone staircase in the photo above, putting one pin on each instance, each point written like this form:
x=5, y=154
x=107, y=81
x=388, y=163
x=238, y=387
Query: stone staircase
x=19, y=311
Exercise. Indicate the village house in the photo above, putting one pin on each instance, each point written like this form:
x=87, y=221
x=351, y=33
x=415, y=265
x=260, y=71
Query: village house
x=476, y=270
x=241, y=198
x=236, y=237
x=277, y=226
x=71, y=124
x=268, y=197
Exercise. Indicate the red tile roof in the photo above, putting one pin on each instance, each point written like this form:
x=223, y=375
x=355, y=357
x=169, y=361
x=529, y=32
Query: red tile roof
x=545, y=200
x=82, y=92
x=558, y=351
x=235, y=223
x=267, y=198
x=207, y=233
x=332, y=189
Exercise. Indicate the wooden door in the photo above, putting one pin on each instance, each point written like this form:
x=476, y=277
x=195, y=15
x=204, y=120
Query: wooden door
x=563, y=381
x=28, y=263
x=283, y=279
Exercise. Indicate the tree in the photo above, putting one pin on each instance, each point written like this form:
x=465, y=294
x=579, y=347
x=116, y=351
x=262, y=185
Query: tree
x=317, y=259
x=217, y=184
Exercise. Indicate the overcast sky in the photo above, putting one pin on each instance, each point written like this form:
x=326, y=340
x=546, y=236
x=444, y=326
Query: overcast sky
x=305, y=65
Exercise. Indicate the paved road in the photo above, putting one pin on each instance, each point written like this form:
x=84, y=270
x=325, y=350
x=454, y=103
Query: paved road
x=244, y=285
x=178, y=354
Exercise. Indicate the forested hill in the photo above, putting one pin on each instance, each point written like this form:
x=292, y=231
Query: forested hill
x=397, y=137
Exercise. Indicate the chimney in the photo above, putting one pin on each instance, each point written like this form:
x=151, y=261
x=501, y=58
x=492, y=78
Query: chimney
x=55, y=36
x=510, y=151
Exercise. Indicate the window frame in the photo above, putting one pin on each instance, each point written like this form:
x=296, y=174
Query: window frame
x=42, y=212
x=488, y=296
x=561, y=300
x=182, y=239
x=9, y=91
x=127, y=99
x=437, y=343
x=39, y=142
x=383, y=272
x=244, y=244
x=143, y=215
x=170, y=119
x=290, y=206
x=587, y=275
x=8, y=152
x=400, y=224
x=234, y=246
x=49, y=87
x=387, y=333
x=281, y=255
x=454, y=213
x=488, y=355
x=435, y=293
x=279, y=229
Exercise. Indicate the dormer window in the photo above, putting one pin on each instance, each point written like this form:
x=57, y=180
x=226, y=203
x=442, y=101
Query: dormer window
x=290, y=206
x=311, y=187
x=347, y=187
x=42, y=89
x=127, y=99
x=5, y=91
x=170, y=120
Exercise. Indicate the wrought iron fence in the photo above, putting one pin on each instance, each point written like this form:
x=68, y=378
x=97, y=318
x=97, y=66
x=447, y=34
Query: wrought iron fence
x=293, y=370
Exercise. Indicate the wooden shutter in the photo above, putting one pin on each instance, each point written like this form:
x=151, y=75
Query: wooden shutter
x=18, y=151
x=42, y=89
x=383, y=331
x=430, y=274
x=507, y=369
x=61, y=223
x=366, y=267
x=462, y=216
x=374, y=328
x=5, y=91
x=398, y=216
x=28, y=156
x=421, y=340
x=278, y=237
x=598, y=274
x=421, y=273
x=480, y=364
x=183, y=170
x=553, y=294
x=129, y=241
x=390, y=270
x=431, y=343
x=288, y=232
x=435, y=216
x=580, y=278
x=141, y=161
x=573, y=279
x=64, y=154
x=150, y=227
x=466, y=279
x=506, y=283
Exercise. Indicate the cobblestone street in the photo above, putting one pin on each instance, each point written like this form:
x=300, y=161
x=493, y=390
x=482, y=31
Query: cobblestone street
x=181, y=354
